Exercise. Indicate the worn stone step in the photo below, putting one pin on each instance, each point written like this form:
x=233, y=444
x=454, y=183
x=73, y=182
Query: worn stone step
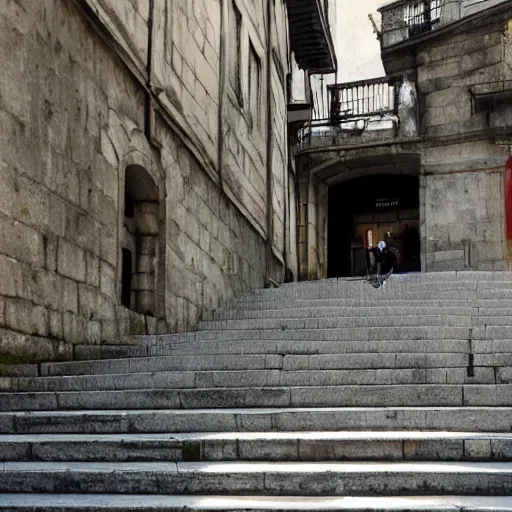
x=267, y=361
x=299, y=304
x=482, y=419
x=259, y=446
x=255, y=378
x=492, y=320
x=336, y=303
x=369, y=360
x=271, y=479
x=380, y=295
x=492, y=332
x=392, y=289
x=151, y=503
x=296, y=347
x=425, y=331
x=491, y=346
x=180, y=363
x=447, y=395
x=363, y=320
x=350, y=311
x=446, y=291
x=419, y=331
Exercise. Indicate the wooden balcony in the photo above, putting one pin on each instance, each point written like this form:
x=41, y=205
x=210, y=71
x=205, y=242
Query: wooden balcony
x=310, y=35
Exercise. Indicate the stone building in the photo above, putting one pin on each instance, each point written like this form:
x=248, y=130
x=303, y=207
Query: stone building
x=146, y=175
x=418, y=156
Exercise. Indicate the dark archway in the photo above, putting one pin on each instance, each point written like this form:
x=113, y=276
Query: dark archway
x=382, y=207
x=139, y=244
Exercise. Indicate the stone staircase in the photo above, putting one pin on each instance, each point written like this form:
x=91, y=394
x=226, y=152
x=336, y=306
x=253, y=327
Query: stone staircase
x=317, y=396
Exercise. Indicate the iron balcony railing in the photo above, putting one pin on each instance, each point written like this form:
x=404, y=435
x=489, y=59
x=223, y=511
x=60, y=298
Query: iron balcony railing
x=361, y=112
x=409, y=18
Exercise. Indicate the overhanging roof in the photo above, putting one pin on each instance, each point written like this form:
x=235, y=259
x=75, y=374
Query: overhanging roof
x=311, y=39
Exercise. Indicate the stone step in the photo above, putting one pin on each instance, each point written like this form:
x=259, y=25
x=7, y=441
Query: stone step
x=393, y=288
x=179, y=363
x=482, y=419
x=363, y=320
x=492, y=332
x=256, y=378
x=270, y=361
x=351, y=311
x=383, y=295
x=151, y=503
x=380, y=295
x=278, y=305
x=424, y=331
x=399, y=395
x=417, y=331
x=273, y=305
x=488, y=315
x=297, y=347
x=268, y=478
x=258, y=446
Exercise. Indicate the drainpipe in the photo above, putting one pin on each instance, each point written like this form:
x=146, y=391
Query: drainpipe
x=270, y=220
x=223, y=69
x=286, y=196
x=147, y=94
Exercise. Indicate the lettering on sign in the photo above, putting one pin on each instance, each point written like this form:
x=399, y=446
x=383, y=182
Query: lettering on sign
x=387, y=202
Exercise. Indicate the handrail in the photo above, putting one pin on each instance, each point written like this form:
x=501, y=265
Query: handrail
x=367, y=81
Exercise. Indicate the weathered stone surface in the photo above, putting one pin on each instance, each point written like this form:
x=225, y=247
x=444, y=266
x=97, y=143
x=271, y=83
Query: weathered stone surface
x=64, y=159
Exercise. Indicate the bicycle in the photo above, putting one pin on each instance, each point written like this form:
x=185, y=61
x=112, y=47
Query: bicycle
x=377, y=279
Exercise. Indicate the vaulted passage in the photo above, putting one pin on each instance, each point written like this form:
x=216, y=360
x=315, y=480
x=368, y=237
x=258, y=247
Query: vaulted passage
x=139, y=241
x=365, y=210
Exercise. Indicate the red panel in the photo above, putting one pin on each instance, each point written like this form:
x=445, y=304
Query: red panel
x=508, y=199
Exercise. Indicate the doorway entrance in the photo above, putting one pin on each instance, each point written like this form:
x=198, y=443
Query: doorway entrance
x=365, y=210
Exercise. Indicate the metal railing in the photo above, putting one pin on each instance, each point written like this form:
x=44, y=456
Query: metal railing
x=408, y=19
x=421, y=17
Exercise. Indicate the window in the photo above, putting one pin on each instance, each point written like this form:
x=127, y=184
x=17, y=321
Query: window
x=235, y=31
x=126, y=278
x=254, y=85
x=421, y=16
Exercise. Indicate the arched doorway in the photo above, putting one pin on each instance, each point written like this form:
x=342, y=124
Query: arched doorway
x=372, y=208
x=139, y=241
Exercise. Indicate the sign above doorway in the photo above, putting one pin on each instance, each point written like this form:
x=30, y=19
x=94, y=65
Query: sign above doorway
x=387, y=202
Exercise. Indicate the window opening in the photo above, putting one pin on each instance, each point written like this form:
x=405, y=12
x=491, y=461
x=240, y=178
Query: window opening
x=254, y=84
x=126, y=278
x=236, y=39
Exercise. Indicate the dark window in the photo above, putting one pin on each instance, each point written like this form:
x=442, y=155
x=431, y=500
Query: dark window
x=422, y=16
x=235, y=30
x=129, y=202
x=126, y=278
x=254, y=84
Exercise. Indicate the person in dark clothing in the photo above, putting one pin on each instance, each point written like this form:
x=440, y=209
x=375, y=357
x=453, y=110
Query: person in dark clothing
x=383, y=261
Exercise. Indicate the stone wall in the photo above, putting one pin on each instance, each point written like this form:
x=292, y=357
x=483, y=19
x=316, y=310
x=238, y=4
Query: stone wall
x=462, y=221
x=75, y=115
x=463, y=195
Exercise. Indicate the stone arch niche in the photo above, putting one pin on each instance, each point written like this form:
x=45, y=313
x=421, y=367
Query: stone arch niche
x=139, y=241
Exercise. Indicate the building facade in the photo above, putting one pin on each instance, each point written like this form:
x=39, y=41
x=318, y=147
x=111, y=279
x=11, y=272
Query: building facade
x=146, y=176
x=418, y=156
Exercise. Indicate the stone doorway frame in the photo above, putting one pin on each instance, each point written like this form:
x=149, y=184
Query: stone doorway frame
x=314, y=183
